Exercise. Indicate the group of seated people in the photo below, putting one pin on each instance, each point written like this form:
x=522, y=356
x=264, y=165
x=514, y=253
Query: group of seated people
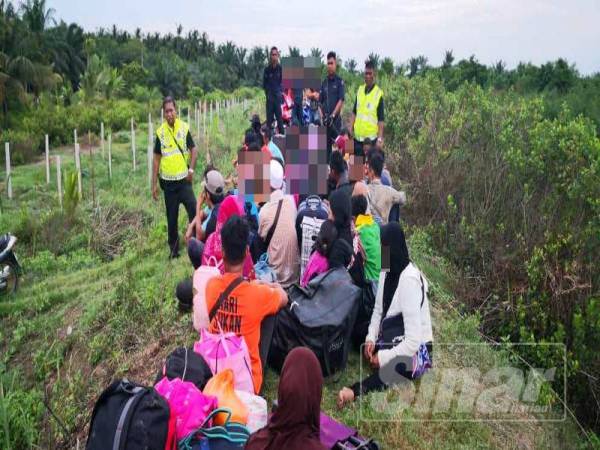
x=360, y=222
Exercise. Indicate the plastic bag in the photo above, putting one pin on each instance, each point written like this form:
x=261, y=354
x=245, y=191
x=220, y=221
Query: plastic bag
x=221, y=386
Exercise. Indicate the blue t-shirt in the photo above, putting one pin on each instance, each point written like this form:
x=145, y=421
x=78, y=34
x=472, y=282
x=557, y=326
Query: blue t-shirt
x=275, y=151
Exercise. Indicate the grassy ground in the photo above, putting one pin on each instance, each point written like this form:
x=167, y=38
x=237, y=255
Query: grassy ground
x=97, y=303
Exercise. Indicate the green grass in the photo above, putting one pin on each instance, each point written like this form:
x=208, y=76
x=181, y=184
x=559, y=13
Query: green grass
x=85, y=315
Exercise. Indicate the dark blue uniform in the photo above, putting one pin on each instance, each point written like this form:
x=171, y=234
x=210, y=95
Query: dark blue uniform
x=332, y=90
x=272, y=86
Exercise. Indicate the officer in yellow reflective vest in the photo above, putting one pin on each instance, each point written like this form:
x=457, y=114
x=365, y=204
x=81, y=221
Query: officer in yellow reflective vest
x=368, y=113
x=174, y=161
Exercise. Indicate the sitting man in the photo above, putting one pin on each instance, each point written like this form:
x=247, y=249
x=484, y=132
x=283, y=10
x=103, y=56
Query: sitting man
x=249, y=303
x=381, y=198
x=207, y=207
x=283, y=247
x=339, y=178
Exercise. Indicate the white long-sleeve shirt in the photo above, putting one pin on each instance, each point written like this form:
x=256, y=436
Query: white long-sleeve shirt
x=417, y=319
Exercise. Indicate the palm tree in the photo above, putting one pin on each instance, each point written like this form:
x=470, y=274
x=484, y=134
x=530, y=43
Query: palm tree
x=294, y=52
x=66, y=45
x=11, y=85
x=114, y=83
x=351, y=66
x=94, y=79
x=316, y=53
x=387, y=66
x=374, y=59
x=448, y=59
x=36, y=16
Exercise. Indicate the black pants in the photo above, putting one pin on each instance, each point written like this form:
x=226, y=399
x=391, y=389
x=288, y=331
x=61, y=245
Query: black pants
x=358, y=148
x=374, y=382
x=273, y=106
x=176, y=193
x=185, y=294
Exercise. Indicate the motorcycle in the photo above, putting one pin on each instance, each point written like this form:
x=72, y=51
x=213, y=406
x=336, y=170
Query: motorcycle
x=10, y=269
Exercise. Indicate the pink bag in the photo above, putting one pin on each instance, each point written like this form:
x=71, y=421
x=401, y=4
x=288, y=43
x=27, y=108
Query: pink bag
x=201, y=276
x=227, y=351
x=187, y=403
x=317, y=264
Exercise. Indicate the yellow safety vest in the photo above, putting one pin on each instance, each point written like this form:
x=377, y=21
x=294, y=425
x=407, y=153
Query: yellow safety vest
x=365, y=125
x=174, y=163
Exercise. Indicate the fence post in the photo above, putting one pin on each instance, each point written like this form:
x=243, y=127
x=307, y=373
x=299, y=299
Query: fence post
x=8, y=174
x=110, y=156
x=133, y=144
x=46, y=141
x=78, y=168
x=59, y=182
x=149, y=155
x=162, y=116
x=102, y=138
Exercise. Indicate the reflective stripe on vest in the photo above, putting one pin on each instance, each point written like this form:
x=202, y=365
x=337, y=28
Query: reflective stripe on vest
x=173, y=165
x=365, y=125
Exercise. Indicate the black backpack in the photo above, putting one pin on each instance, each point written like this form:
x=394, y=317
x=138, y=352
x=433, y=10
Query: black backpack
x=320, y=317
x=186, y=364
x=365, y=311
x=128, y=416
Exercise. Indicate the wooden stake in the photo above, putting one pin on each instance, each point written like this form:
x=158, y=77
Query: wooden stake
x=110, y=156
x=78, y=168
x=102, y=138
x=133, y=144
x=8, y=172
x=47, y=159
x=59, y=182
x=92, y=169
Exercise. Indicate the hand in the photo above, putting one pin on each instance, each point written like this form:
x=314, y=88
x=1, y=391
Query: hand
x=379, y=142
x=375, y=361
x=368, y=350
x=154, y=192
x=190, y=177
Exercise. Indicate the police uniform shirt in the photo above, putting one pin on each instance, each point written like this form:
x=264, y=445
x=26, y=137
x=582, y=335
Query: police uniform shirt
x=332, y=91
x=189, y=142
x=380, y=108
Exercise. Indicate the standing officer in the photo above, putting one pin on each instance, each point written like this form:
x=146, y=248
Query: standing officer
x=331, y=97
x=368, y=114
x=174, y=161
x=272, y=86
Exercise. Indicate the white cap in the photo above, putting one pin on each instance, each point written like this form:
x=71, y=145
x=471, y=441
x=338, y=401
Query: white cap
x=276, y=174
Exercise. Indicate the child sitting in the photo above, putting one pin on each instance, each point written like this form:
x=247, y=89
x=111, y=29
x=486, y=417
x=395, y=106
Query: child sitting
x=318, y=262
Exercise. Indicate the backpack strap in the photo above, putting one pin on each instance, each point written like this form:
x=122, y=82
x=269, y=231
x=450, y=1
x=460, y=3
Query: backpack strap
x=235, y=283
x=422, y=289
x=137, y=393
x=272, y=229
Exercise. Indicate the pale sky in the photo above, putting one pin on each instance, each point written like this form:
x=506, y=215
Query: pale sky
x=511, y=30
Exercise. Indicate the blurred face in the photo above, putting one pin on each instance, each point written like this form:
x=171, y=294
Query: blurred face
x=369, y=77
x=274, y=56
x=170, y=113
x=331, y=66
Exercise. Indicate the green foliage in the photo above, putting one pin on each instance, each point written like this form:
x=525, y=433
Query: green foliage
x=513, y=198
x=71, y=195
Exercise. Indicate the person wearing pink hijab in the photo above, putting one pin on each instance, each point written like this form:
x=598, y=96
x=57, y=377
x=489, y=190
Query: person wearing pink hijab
x=213, y=251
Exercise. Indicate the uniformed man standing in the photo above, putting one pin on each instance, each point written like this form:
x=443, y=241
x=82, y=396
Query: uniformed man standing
x=174, y=161
x=368, y=113
x=272, y=77
x=331, y=98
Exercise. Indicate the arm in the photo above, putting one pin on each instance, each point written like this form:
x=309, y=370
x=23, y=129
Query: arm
x=377, y=311
x=199, y=216
x=380, y=119
x=338, y=108
x=398, y=197
x=407, y=300
x=189, y=232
